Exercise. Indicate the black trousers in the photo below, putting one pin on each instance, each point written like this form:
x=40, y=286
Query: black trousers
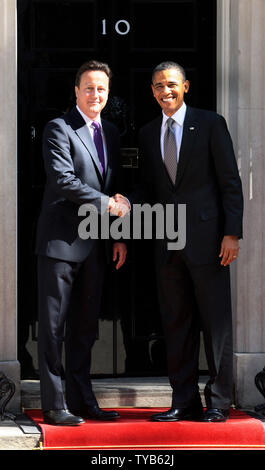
x=194, y=299
x=69, y=298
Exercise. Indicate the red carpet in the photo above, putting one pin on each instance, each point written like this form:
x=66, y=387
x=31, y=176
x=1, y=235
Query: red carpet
x=134, y=431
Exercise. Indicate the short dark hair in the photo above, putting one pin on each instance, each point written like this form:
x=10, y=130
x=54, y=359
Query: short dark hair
x=92, y=65
x=169, y=65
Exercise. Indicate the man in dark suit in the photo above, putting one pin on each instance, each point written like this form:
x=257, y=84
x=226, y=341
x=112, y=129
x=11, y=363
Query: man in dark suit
x=187, y=158
x=81, y=157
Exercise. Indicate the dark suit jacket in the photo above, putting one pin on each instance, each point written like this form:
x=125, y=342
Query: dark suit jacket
x=73, y=178
x=207, y=182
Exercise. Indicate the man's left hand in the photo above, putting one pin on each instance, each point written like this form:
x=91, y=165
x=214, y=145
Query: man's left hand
x=229, y=249
x=119, y=254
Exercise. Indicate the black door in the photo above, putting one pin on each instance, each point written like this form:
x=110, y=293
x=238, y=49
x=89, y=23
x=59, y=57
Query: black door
x=54, y=38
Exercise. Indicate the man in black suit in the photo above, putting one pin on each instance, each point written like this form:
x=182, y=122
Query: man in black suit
x=187, y=158
x=81, y=157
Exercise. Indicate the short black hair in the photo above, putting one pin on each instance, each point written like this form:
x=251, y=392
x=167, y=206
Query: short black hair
x=169, y=65
x=92, y=65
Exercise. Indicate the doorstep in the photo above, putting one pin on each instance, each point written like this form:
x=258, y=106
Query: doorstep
x=116, y=392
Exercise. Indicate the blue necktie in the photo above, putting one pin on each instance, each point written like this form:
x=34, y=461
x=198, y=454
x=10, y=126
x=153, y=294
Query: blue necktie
x=98, y=141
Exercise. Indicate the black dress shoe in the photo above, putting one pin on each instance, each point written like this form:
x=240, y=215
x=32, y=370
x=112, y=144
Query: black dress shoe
x=191, y=413
x=94, y=412
x=215, y=415
x=62, y=418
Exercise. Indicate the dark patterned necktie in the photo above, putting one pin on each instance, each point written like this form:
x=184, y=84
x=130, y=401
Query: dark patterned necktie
x=98, y=141
x=170, y=150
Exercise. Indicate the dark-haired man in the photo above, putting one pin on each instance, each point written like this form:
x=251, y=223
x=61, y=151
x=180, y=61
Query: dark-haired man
x=81, y=157
x=187, y=158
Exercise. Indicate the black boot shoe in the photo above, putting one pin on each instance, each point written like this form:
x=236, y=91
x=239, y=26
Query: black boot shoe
x=191, y=413
x=94, y=412
x=215, y=415
x=62, y=418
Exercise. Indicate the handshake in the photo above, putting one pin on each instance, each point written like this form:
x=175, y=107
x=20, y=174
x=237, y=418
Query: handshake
x=119, y=205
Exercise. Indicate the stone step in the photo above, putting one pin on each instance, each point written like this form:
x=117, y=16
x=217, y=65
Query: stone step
x=19, y=434
x=116, y=392
x=141, y=392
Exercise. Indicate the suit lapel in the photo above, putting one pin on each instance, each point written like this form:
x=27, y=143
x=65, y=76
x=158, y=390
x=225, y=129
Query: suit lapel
x=190, y=131
x=80, y=128
x=85, y=137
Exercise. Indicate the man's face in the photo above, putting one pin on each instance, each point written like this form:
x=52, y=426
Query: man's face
x=168, y=89
x=92, y=93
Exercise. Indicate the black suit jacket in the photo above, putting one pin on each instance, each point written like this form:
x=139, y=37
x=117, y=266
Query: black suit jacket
x=207, y=182
x=73, y=178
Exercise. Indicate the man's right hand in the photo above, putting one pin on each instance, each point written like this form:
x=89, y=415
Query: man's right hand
x=118, y=205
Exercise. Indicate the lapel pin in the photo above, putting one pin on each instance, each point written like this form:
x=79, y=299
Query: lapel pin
x=192, y=128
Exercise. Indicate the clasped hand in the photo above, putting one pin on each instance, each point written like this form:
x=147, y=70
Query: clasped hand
x=118, y=205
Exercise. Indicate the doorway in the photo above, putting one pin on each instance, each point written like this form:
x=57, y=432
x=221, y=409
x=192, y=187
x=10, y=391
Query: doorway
x=54, y=38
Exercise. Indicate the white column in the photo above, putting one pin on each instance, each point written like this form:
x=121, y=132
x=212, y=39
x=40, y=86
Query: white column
x=241, y=91
x=8, y=156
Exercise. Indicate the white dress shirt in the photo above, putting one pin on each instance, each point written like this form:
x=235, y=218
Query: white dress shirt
x=89, y=123
x=178, y=117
